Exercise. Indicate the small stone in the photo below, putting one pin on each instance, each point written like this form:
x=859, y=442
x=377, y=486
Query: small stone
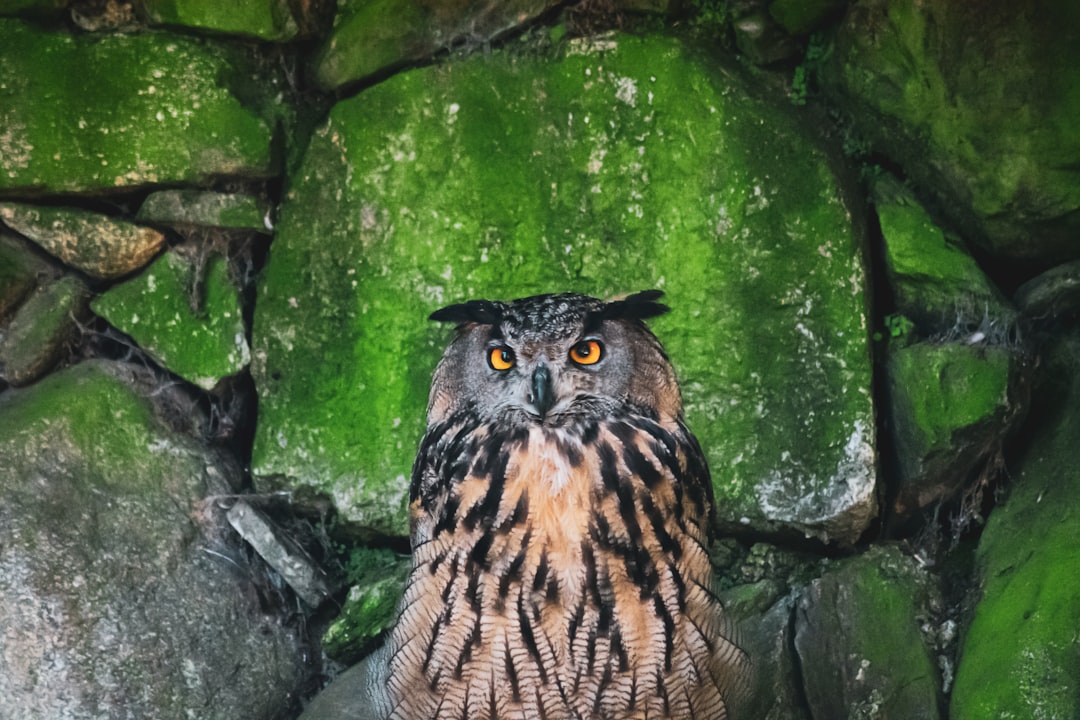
x=98, y=245
x=290, y=560
x=42, y=329
x=189, y=319
x=201, y=208
x=20, y=271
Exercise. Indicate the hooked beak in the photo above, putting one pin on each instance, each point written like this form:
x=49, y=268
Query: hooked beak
x=543, y=397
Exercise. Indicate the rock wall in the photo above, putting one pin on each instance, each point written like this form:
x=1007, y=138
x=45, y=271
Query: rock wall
x=222, y=228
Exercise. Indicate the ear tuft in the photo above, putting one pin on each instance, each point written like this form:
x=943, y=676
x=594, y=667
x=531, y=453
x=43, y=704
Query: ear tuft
x=484, y=312
x=639, y=306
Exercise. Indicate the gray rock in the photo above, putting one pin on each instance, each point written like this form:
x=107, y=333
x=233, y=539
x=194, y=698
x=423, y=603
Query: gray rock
x=20, y=272
x=1053, y=294
x=118, y=585
x=203, y=208
x=42, y=329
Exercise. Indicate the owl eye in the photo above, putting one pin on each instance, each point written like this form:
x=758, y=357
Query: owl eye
x=501, y=358
x=587, y=352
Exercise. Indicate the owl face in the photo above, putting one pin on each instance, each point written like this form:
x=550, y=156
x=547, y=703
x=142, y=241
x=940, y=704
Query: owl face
x=552, y=360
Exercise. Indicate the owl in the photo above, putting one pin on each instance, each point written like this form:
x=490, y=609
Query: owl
x=560, y=522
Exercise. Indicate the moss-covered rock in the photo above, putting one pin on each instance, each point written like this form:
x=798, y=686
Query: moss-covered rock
x=228, y=211
x=859, y=637
x=936, y=283
x=369, y=609
x=86, y=113
x=623, y=165
x=978, y=103
x=115, y=602
x=186, y=313
x=951, y=406
x=371, y=36
x=42, y=329
x=1051, y=295
x=263, y=19
x=98, y=245
x=1021, y=654
x=20, y=271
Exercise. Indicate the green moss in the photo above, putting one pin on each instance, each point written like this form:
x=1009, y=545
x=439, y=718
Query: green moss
x=83, y=113
x=19, y=270
x=264, y=19
x=942, y=389
x=193, y=326
x=1021, y=655
x=206, y=209
x=379, y=581
x=635, y=165
x=43, y=326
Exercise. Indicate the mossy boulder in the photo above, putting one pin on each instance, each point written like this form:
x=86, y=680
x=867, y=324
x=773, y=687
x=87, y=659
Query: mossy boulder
x=1020, y=656
x=977, y=102
x=859, y=638
x=262, y=19
x=91, y=113
x=42, y=329
x=936, y=283
x=372, y=36
x=98, y=245
x=951, y=406
x=117, y=585
x=20, y=272
x=186, y=312
x=203, y=208
x=625, y=164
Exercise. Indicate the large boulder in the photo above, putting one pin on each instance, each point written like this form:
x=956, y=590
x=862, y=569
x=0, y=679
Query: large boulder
x=118, y=587
x=977, y=102
x=91, y=113
x=1020, y=656
x=625, y=164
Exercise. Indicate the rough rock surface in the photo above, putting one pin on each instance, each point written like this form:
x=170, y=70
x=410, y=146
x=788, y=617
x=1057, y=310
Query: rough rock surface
x=20, y=272
x=188, y=318
x=202, y=208
x=100, y=246
x=623, y=165
x=858, y=635
x=977, y=102
x=82, y=113
x=113, y=604
x=41, y=330
x=1020, y=656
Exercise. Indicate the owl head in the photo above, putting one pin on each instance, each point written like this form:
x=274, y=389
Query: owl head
x=553, y=360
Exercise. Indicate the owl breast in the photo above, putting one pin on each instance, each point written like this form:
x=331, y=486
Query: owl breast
x=560, y=573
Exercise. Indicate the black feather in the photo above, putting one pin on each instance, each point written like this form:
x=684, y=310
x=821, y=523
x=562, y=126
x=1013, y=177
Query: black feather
x=484, y=312
x=639, y=306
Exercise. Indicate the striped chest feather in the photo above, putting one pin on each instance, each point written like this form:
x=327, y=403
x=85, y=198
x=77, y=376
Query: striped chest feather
x=562, y=574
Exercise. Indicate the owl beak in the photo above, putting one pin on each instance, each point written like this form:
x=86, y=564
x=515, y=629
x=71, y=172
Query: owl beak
x=543, y=397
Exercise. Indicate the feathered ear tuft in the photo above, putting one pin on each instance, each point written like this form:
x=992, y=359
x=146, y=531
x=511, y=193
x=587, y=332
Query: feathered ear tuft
x=639, y=306
x=484, y=312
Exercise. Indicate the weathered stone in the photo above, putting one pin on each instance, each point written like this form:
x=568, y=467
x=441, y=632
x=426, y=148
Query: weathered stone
x=373, y=36
x=1021, y=654
x=42, y=329
x=977, y=102
x=207, y=209
x=146, y=109
x=98, y=245
x=761, y=39
x=115, y=597
x=936, y=282
x=295, y=566
x=370, y=608
x=356, y=694
x=626, y=164
x=20, y=271
x=186, y=313
x=263, y=19
x=858, y=634
x=951, y=406
x=1051, y=295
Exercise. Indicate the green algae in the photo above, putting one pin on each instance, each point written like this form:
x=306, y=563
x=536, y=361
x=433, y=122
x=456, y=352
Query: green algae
x=83, y=113
x=194, y=327
x=1021, y=653
x=625, y=165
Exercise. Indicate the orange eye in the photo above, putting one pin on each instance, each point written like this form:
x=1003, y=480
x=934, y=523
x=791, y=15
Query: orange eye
x=586, y=352
x=501, y=358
